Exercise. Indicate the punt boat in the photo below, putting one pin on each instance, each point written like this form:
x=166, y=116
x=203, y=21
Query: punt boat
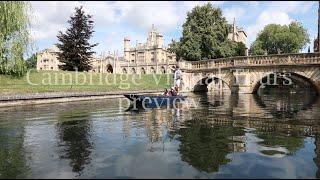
x=153, y=101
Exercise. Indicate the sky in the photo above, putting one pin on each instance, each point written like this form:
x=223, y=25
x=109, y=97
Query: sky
x=115, y=20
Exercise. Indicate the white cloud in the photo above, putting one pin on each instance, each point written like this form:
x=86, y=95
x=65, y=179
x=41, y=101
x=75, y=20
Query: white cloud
x=115, y=20
x=291, y=6
x=253, y=3
x=50, y=17
x=144, y=14
x=231, y=13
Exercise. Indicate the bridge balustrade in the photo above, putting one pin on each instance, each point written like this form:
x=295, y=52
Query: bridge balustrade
x=265, y=60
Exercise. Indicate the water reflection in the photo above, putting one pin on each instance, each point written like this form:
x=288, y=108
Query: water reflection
x=74, y=132
x=212, y=135
x=206, y=147
x=13, y=162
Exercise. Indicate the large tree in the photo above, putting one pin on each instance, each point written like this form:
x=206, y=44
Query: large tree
x=204, y=36
x=31, y=62
x=75, y=49
x=275, y=38
x=14, y=36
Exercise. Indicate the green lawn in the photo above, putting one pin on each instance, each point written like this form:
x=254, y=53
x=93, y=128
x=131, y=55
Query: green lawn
x=60, y=81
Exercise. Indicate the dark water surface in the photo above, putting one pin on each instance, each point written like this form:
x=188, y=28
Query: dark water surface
x=209, y=136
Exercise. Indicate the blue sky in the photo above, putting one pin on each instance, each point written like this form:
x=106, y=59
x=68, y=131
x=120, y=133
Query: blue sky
x=119, y=19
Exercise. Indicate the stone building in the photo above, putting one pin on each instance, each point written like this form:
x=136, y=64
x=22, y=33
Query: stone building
x=47, y=59
x=105, y=63
x=153, y=51
x=237, y=34
x=150, y=57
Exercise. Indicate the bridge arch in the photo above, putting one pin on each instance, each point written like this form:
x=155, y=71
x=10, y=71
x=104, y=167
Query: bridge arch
x=211, y=83
x=272, y=78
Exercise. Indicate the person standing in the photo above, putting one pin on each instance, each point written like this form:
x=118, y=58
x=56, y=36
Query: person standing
x=177, y=77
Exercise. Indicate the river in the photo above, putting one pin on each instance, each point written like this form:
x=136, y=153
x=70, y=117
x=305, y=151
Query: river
x=210, y=135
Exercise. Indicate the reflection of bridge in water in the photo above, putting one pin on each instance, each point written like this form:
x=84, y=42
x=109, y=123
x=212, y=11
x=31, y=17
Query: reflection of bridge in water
x=224, y=121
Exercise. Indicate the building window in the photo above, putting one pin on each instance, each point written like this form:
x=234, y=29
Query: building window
x=45, y=60
x=51, y=67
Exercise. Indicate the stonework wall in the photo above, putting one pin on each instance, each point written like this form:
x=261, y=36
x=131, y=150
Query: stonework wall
x=47, y=60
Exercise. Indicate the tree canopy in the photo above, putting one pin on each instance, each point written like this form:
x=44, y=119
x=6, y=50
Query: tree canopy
x=14, y=36
x=275, y=38
x=31, y=62
x=205, y=35
x=75, y=49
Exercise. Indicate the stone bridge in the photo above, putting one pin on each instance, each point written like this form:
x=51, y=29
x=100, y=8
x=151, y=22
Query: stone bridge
x=247, y=74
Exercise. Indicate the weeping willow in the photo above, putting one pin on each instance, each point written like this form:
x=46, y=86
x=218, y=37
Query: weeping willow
x=14, y=36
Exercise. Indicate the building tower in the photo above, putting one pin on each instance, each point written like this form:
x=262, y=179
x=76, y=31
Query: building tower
x=234, y=30
x=126, y=44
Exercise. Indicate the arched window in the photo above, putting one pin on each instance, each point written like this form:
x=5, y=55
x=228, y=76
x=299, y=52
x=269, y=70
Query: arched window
x=153, y=70
x=143, y=71
x=124, y=71
x=133, y=71
x=109, y=68
x=163, y=70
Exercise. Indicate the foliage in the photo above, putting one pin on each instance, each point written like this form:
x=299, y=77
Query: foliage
x=291, y=143
x=31, y=62
x=205, y=35
x=75, y=49
x=204, y=146
x=276, y=38
x=14, y=36
x=240, y=49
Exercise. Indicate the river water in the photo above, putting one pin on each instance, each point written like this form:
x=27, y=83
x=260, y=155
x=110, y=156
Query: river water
x=210, y=135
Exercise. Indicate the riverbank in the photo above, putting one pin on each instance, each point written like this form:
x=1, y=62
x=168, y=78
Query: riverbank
x=60, y=86
x=58, y=97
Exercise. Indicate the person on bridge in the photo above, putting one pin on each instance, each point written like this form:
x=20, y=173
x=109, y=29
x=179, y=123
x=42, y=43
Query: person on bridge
x=177, y=77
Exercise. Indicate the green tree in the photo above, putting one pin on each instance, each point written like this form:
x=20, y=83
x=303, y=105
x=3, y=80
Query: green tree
x=274, y=39
x=205, y=35
x=75, y=49
x=14, y=36
x=31, y=62
x=240, y=49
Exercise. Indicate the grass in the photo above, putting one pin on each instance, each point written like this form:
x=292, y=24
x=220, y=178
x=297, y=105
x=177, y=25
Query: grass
x=60, y=81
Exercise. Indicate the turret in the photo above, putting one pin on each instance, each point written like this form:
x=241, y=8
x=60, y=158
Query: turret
x=126, y=44
x=159, y=41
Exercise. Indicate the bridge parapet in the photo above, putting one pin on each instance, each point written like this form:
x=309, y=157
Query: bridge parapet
x=245, y=61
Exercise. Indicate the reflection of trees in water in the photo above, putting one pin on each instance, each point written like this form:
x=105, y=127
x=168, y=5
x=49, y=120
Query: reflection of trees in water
x=205, y=147
x=274, y=139
x=74, y=134
x=13, y=163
